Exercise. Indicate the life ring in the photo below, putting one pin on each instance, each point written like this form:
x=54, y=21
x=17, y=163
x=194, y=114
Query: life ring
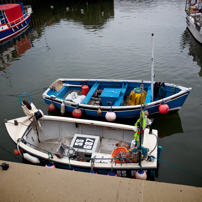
x=193, y=3
x=27, y=104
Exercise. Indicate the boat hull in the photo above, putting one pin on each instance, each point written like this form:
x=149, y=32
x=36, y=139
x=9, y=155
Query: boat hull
x=174, y=105
x=191, y=26
x=120, y=172
x=14, y=30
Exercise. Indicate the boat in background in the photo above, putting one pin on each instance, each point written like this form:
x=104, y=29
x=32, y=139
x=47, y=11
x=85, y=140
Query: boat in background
x=13, y=48
x=86, y=145
x=193, y=11
x=14, y=18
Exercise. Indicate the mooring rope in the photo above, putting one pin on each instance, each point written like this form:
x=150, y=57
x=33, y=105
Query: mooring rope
x=196, y=95
x=178, y=168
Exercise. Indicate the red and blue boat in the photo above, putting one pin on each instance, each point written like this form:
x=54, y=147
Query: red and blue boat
x=14, y=18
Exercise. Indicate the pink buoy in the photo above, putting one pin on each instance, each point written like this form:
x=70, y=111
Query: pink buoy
x=141, y=175
x=110, y=116
x=51, y=107
x=163, y=108
x=77, y=113
x=50, y=166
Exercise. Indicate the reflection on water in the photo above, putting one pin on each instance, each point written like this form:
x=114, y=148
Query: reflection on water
x=167, y=125
x=194, y=47
x=14, y=48
x=90, y=14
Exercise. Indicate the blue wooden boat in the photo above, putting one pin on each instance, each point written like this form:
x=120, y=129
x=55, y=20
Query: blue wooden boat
x=101, y=97
x=14, y=18
x=121, y=96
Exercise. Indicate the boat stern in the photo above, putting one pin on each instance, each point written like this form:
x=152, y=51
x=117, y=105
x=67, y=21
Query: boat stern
x=17, y=127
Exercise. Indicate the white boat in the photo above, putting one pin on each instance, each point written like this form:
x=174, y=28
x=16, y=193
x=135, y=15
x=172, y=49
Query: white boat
x=84, y=145
x=193, y=11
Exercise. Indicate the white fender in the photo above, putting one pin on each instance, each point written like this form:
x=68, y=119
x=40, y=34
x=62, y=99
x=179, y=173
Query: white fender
x=34, y=109
x=27, y=111
x=62, y=108
x=30, y=158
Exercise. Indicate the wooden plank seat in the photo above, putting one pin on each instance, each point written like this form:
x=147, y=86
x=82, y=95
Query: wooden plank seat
x=90, y=93
x=148, y=97
x=123, y=90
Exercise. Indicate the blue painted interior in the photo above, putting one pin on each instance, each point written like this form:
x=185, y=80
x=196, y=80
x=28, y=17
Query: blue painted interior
x=112, y=92
x=148, y=97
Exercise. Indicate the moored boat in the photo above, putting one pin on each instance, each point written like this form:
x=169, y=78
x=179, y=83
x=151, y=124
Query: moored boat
x=123, y=97
x=115, y=98
x=85, y=145
x=193, y=11
x=14, y=18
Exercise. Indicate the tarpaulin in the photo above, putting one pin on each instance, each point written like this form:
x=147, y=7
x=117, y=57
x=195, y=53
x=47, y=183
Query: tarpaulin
x=13, y=12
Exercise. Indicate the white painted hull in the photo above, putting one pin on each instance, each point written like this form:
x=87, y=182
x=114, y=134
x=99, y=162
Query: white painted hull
x=192, y=28
x=62, y=128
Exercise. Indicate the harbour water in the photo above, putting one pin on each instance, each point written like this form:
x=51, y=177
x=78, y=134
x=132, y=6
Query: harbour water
x=112, y=40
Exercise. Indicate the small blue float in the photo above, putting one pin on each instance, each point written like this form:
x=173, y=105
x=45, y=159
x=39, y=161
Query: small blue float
x=92, y=171
x=112, y=173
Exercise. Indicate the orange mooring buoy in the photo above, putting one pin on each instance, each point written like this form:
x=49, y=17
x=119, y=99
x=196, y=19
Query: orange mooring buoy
x=51, y=107
x=77, y=113
x=163, y=108
x=16, y=152
x=50, y=166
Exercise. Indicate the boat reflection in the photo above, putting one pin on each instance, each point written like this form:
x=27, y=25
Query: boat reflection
x=93, y=15
x=90, y=14
x=195, y=48
x=167, y=125
x=14, y=48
